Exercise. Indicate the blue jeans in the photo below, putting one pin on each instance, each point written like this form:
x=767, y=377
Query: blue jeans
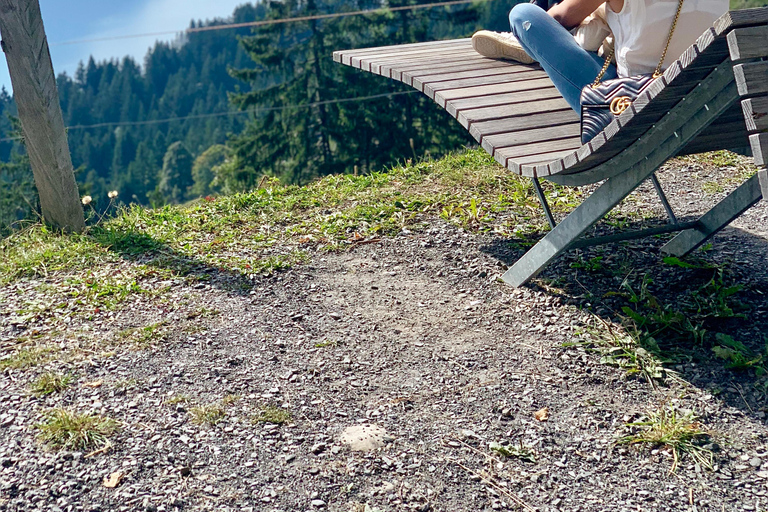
x=568, y=65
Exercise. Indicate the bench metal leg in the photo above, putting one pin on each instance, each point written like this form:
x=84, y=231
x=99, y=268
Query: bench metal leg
x=663, y=198
x=594, y=208
x=544, y=203
x=736, y=203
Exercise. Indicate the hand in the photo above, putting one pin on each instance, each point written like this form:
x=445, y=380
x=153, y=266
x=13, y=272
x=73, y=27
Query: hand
x=569, y=13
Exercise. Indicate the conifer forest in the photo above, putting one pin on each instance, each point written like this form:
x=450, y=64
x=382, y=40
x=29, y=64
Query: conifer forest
x=215, y=111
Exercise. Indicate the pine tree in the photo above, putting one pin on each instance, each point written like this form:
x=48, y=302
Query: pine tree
x=176, y=175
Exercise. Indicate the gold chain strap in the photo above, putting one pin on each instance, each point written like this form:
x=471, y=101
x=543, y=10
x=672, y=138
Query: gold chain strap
x=657, y=72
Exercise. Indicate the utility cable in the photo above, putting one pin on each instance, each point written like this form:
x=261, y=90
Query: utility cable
x=256, y=110
x=231, y=26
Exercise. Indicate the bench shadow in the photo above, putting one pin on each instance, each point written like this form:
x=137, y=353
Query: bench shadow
x=143, y=249
x=706, y=314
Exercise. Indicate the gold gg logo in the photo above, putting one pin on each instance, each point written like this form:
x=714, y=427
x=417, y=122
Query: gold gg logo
x=619, y=104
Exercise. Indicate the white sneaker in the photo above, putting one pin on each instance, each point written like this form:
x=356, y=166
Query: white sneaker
x=499, y=45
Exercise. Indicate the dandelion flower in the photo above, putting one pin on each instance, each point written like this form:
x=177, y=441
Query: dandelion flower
x=112, y=194
x=86, y=200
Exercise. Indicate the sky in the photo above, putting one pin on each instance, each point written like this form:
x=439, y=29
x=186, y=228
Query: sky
x=67, y=20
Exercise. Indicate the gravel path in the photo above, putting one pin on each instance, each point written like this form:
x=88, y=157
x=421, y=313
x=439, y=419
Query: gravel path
x=414, y=335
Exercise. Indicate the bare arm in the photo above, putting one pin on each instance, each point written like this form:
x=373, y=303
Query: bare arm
x=570, y=13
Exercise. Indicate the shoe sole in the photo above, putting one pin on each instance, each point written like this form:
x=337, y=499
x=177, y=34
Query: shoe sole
x=491, y=46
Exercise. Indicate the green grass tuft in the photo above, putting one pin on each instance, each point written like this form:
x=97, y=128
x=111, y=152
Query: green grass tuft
x=49, y=383
x=27, y=358
x=679, y=432
x=273, y=414
x=209, y=414
x=64, y=429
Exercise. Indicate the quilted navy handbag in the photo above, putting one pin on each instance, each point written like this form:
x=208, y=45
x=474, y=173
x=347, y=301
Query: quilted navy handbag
x=601, y=102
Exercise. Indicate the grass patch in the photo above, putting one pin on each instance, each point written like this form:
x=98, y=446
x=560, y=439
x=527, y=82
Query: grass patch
x=27, y=358
x=209, y=414
x=143, y=336
x=679, y=432
x=269, y=229
x=50, y=383
x=327, y=343
x=64, y=429
x=177, y=399
x=711, y=188
x=650, y=333
x=272, y=414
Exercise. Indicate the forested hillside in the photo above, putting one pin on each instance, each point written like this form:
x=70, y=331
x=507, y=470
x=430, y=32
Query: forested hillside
x=215, y=111
x=248, y=102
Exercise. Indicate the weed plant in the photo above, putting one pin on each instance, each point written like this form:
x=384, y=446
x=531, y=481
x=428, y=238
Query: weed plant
x=520, y=451
x=680, y=432
x=64, y=429
x=209, y=414
x=49, y=383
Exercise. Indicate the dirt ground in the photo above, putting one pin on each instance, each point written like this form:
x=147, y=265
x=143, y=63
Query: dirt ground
x=415, y=335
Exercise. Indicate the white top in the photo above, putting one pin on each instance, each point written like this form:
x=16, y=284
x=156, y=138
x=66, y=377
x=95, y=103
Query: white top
x=641, y=29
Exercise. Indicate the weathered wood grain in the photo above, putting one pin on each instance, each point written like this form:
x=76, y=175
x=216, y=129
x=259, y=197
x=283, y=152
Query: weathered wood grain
x=442, y=97
x=748, y=43
x=34, y=89
x=762, y=176
x=759, y=144
x=752, y=78
x=456, y=107
x=756, y=114
x=741, y=18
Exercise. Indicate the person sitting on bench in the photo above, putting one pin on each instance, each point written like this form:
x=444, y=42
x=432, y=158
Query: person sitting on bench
x=639, y=27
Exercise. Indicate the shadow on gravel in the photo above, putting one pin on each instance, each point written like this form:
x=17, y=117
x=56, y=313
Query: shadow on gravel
x=146, y=250
x=705, y=316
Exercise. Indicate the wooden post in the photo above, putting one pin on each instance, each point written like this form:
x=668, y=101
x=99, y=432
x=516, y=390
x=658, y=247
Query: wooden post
x=34, y=89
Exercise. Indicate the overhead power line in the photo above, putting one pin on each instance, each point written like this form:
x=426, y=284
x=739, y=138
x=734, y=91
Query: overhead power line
x=260, y=23
x=257, y=110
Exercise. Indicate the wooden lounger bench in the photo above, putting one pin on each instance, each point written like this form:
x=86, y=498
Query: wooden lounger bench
x=715, y=96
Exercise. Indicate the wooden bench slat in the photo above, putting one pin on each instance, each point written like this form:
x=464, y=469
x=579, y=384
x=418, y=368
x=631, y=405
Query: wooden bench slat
x=431, y=88
x=384, y=66
x=464, y=62
x=360, y=61
x=429, y=74
x=756, y=114
x=506, y=142
x=741, y=18
x=460, y=70
x=343, y=57
x=456, y=107
x=540, y=149
x=446, y=80
x=472, y=92
x=499, y=113
x=482, y=130
x=748, y=43
x=759, y=144
x=752, y=78
x=387, y=68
